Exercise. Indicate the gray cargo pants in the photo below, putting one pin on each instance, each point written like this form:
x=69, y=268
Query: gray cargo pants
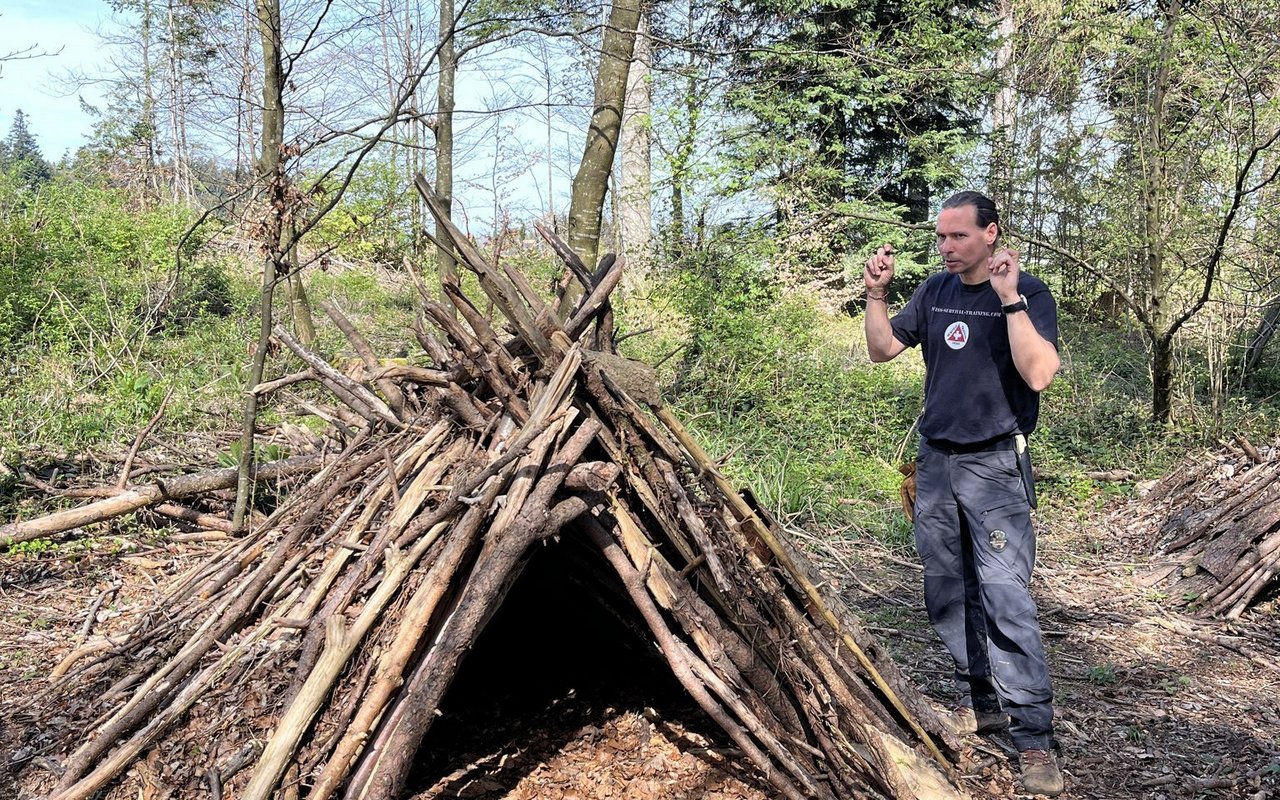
x=973, y=532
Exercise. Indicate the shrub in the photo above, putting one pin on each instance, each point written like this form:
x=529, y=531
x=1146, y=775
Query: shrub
x=81, y=262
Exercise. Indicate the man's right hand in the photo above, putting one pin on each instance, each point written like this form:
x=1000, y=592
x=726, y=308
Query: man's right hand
x=879, y=269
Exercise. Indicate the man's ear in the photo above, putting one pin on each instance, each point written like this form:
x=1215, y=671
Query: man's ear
x=991, y=233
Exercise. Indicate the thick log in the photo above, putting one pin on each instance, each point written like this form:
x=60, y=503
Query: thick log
x=171, y=510
x=394, y=661
x=421, y=375
x=592, y=476
x=384, y=771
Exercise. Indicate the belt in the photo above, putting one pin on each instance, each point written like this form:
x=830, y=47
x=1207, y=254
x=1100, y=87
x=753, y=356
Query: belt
x=1005, y=442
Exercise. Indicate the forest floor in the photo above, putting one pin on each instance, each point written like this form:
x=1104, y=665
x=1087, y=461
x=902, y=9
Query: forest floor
x=1150, y=704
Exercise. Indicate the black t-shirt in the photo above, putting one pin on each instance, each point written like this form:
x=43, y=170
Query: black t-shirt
x=972, y=390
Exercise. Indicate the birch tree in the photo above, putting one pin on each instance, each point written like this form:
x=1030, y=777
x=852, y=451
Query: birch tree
x=634, y=182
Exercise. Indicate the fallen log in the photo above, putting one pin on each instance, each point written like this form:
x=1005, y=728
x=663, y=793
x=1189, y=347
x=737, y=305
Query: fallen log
x=171, y=510
x=151, y=494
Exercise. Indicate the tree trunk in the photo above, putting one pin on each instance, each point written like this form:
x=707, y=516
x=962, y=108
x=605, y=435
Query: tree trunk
x=444, y=134
x=591, y=182
x=244, y=105
x=1261, y=337
x=183, y=188
x=635, y=184
x=548, y=88
x=681, y=160
x=150, y=181
x=419, y=126
x=1162, y=378
x=1003, y=109
x=304, y=326
x=1266, y=233
x=271, y=173
x=1155, y=207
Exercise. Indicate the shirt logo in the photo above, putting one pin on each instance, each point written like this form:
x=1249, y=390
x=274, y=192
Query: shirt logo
x=957, y=335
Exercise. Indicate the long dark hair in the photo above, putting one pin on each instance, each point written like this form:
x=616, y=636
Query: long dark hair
x=983, y=205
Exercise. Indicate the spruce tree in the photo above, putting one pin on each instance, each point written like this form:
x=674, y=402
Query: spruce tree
x=862, y=99
x=20, y=154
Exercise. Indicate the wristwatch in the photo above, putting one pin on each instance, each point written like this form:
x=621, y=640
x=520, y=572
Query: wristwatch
x=1014, y=308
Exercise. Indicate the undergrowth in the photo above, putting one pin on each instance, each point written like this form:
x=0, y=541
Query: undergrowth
x=100, y=336
x=781, y=392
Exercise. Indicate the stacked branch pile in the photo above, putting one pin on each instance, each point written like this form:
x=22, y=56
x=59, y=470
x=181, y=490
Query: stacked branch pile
x=310, y=657
x=1214, y=525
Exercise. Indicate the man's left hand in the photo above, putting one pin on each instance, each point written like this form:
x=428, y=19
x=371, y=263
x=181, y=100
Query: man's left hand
x=1004, y=274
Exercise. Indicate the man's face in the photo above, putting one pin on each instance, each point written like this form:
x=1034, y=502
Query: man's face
x=965, y=247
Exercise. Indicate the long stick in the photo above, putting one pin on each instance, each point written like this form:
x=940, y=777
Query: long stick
x=395, y=398
x=395, y=659
x=340, y=644
x=142, y=437
x=338, y=382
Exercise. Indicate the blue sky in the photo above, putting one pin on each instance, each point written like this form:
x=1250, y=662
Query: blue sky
x=65, y=29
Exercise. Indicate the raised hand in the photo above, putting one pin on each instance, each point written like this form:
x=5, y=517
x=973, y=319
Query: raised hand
x=1004, y=274
x=879, y=269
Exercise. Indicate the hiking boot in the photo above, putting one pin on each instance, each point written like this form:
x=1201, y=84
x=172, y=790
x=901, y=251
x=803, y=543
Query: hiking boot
x=965, y=720
x=1040, y=773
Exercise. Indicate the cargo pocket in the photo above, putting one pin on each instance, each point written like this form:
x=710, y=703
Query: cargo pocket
x=1006, y=548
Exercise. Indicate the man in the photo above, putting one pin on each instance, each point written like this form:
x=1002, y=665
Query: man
x=989, y=335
